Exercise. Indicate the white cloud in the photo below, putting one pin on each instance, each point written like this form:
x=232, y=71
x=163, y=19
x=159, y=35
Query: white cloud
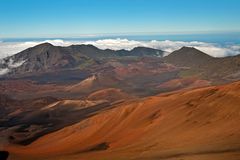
x=215, y=50
x=11, y=48
x=12, y=64
x=4, y=71
x=212, y=49
x=9, y=65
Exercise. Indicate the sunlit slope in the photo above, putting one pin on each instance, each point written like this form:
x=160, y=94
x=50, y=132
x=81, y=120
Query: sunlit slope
x=201, y=124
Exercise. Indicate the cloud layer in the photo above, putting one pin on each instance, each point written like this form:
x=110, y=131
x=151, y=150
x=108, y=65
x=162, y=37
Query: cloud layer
x=9, y=65
x=215, y=50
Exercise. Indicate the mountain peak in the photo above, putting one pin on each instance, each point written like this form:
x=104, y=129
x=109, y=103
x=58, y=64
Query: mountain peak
x=140, y=48
x=189, y=51
x=187, y=48
x=141, y=51
x=46, y=44
x=83, y=45
x=188, y=57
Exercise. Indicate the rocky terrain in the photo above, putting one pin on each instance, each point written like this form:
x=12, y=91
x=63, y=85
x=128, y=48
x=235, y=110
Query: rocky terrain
x=81, y=102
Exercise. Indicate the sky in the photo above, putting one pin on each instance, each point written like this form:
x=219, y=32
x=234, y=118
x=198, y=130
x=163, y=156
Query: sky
x=75, y=18
x=212, y=26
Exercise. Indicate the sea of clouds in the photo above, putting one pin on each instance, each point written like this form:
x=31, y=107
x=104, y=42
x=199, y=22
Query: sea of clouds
x=213, y=49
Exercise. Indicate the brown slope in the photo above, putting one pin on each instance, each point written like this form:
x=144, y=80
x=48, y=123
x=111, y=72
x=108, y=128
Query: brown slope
x=188, y=57
x=201, y=124
x=183, y=83
x=109, y=94
x=195, y=62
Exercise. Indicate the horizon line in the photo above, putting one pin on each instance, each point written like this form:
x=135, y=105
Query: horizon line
x=96, y=35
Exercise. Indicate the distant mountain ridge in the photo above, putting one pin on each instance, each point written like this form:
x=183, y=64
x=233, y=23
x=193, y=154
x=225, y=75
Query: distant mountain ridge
x=46, y=57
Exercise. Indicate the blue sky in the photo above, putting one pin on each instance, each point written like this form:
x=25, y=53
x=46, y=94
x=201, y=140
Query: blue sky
x=70, y=18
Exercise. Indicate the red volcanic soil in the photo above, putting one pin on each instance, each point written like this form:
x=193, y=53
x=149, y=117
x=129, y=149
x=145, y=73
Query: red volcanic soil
x=183, y=83
x=109, y=94
x=83, y=85
x=201, y=124
x=22, y=85
x=28, y=89
x=145, y=67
